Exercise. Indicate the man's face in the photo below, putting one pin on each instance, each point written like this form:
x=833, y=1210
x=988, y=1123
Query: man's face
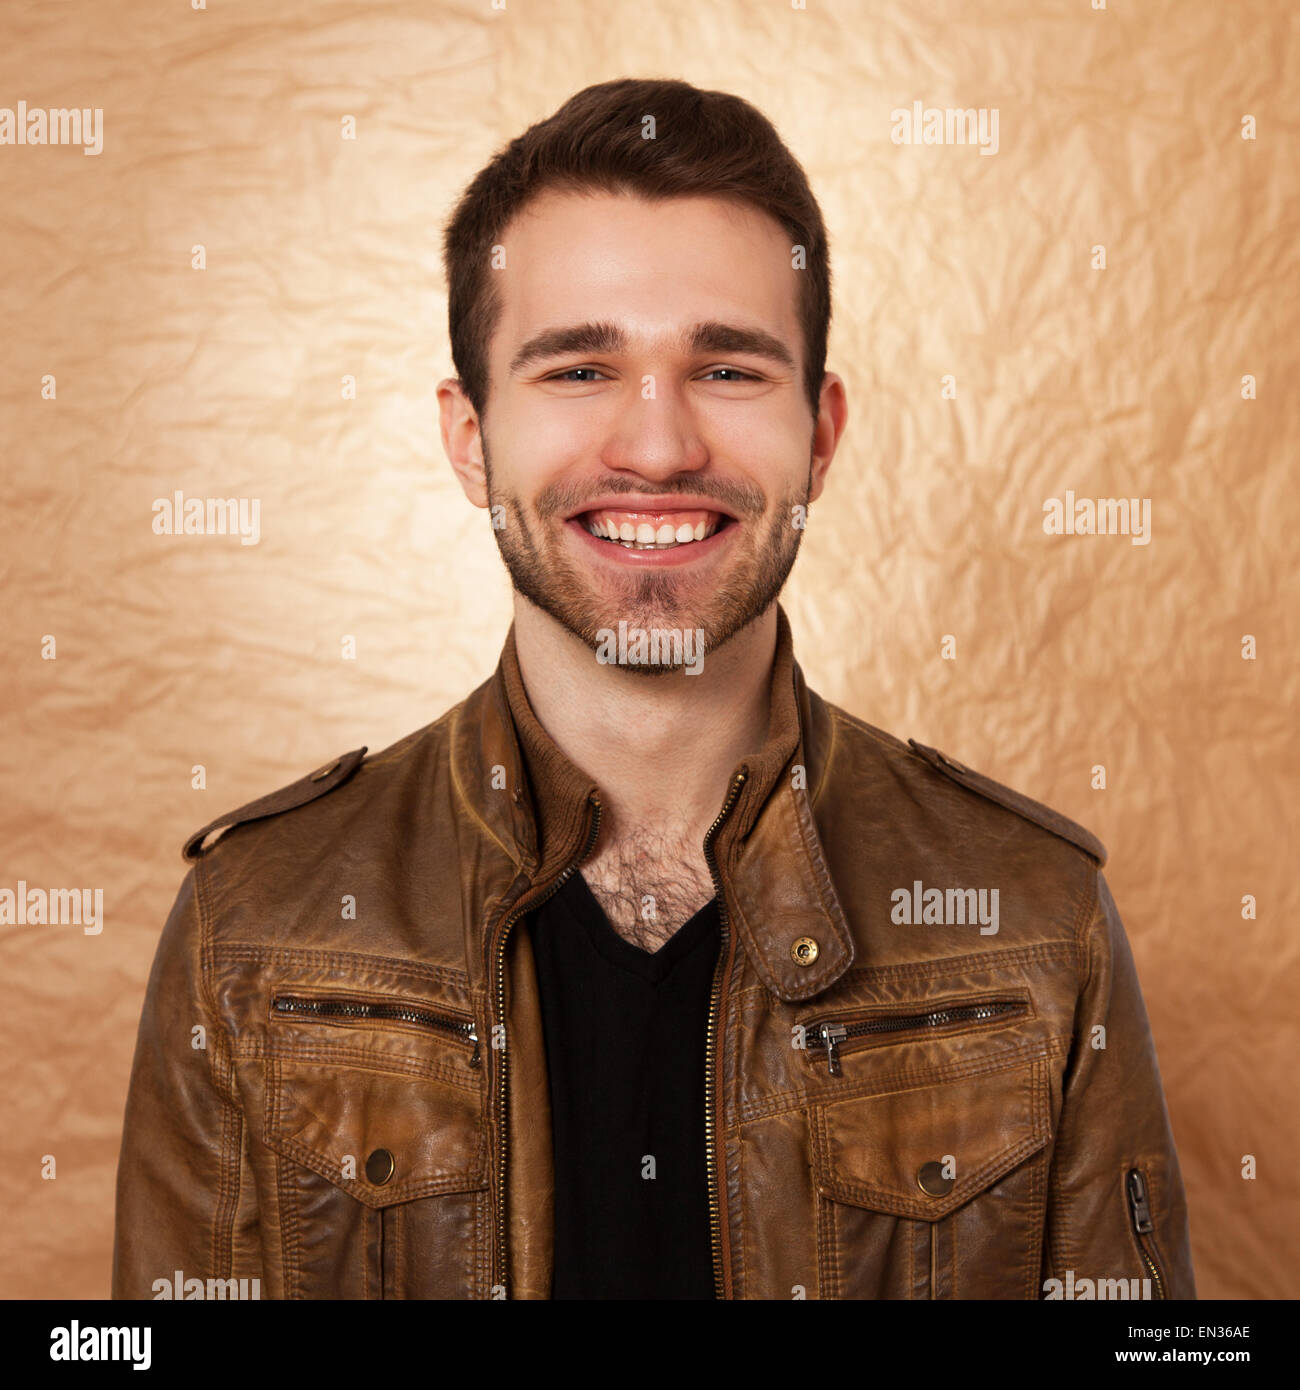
x=647, y=438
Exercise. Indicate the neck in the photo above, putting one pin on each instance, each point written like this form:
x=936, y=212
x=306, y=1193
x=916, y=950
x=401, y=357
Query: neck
x=660, y=748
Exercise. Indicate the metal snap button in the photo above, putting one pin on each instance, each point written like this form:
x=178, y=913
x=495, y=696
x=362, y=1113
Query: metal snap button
x=380, y=1167
x=804, y=951
x=932, y=1180
x=325, y=771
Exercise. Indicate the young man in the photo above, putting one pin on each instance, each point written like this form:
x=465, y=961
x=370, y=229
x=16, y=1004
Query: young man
x=644, y=972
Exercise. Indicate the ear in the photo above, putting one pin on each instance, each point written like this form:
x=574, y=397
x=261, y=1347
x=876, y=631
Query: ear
x=832, y=416
x=462, y=440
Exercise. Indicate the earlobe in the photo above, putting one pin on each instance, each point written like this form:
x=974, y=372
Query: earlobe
x=462, y=441
x=831, y=419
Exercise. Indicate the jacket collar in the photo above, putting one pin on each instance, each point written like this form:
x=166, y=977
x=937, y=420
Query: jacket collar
x=775, y=880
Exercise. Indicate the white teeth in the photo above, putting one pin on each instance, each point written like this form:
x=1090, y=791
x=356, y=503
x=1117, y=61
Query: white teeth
x=644, y=536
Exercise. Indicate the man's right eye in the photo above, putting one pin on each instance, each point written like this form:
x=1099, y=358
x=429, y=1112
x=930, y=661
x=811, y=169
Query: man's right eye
x=568, y=372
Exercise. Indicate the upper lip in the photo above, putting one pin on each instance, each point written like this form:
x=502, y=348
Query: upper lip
x=632, y=502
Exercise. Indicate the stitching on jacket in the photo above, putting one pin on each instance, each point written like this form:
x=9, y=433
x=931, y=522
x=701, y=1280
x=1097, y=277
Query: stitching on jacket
x=393, y=965
x=901, y=1080
x=910, y=1231
x=430, y=1187
x=744, y=1231
x=228, y=1182
x=827, y=1237
x=952, y=1224
x=746, y=910
x=1034, y=1258
x=1062, y=1237
x=474, y=1290
x=392, y=1249
x=286, y=1196
x=1003, y=1163
x=323, y=1053
x=220, y=1073
x=1000, y=1163
x=975, y=960
x=480, y=1245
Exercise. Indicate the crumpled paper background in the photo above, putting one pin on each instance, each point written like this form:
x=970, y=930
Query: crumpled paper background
x=1119, y=128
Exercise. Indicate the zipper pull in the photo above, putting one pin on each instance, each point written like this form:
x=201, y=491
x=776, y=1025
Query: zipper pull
x=832, y=1034
x=1137, y=1199
x=475, y=1059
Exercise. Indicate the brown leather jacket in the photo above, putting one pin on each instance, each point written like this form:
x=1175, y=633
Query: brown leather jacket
x=340, y=1088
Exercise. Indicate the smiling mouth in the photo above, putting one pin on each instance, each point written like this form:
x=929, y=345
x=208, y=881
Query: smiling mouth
x=652, y=530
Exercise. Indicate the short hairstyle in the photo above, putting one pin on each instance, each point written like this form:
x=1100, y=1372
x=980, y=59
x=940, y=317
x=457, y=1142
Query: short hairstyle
x=707, y=144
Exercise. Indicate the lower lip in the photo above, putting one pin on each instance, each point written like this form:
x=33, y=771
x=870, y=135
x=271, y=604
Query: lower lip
x=628, y=556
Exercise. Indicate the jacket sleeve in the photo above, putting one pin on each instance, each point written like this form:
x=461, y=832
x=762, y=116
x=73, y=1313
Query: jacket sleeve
x=1104, y=1222
x=179, y=1167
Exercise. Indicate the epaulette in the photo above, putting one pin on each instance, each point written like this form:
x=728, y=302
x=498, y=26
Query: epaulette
x=296, y=794
x=1014, y=801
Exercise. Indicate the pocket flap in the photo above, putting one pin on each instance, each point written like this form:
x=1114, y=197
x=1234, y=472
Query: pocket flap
x=956, y=1138
x=382, y=1137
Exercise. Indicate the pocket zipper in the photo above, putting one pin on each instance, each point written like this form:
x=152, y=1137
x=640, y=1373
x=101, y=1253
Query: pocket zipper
x=1139, y=1205
x=831, y=1034
x=396, y=1013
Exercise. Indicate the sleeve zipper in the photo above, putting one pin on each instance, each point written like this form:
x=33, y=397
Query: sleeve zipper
x=1139, y=1205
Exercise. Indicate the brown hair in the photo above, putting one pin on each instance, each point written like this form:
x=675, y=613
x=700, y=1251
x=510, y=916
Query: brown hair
x=707, y=144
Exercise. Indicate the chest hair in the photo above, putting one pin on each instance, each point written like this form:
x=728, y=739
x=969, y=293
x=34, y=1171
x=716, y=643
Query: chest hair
x=649, y=885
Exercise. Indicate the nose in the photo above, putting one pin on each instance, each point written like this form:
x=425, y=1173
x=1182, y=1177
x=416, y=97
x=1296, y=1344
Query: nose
x=655, y=438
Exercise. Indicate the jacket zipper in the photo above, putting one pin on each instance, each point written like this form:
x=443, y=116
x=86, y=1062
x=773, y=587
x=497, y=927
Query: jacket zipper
x=336, y=1007
x=720, y=971
x=832, y=1034
x=522, y=906
x=1135, y=1185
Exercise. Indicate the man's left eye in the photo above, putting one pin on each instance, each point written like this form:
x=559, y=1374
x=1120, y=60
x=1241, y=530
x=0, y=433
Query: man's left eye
x=736, y=373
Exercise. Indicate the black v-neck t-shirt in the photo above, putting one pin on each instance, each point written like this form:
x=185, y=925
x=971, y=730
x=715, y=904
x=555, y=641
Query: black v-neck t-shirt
x=625, y=1038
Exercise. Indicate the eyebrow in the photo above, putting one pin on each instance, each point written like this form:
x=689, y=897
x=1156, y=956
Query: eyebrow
x=608, y=337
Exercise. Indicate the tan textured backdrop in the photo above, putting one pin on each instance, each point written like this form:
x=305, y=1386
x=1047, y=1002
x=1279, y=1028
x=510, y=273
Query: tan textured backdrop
x=223, y=128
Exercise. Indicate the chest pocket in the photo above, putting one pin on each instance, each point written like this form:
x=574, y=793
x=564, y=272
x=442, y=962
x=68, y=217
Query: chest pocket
x=934, y=1192
x=377, y=1117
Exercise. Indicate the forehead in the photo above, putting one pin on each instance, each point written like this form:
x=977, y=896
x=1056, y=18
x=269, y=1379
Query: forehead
x=651, y=265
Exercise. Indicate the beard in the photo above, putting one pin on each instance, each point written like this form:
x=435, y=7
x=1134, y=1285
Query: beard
x=762, y=555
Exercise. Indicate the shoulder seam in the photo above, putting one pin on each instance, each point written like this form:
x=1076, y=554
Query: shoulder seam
x=289, y=798
x=1082, y=839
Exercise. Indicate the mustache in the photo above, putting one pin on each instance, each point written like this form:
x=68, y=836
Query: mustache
x=564, y=499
